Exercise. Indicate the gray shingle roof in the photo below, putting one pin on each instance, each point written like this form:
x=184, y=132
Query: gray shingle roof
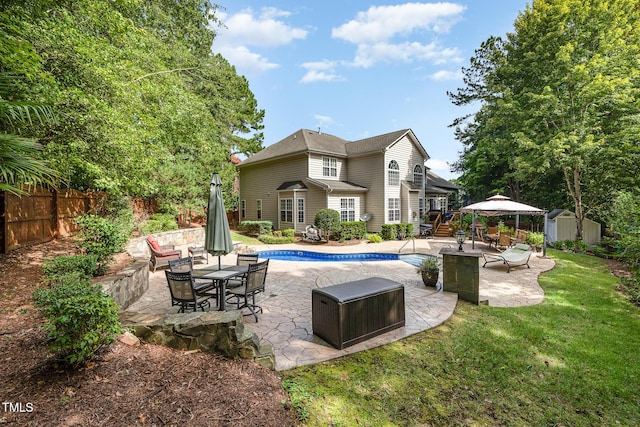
x=292, y=185
x=305, y=140
x=301, y=141
x=434, y=180
x=329, y=184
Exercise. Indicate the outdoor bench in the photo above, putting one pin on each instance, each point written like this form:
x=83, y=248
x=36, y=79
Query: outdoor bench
x=515, y=256
x=352, y=312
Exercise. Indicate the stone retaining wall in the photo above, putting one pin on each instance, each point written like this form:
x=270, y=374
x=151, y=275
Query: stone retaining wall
x=127, y=285
x=220, y=332
x=138, y=248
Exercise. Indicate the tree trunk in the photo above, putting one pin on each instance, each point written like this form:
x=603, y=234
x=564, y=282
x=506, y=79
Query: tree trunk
x=572, y=178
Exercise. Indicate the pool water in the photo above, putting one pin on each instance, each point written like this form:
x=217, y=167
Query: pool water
x=293, y=255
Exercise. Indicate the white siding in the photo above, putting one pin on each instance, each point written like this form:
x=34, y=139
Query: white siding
x=563, y=227
x=316, y=165
x=334, y=202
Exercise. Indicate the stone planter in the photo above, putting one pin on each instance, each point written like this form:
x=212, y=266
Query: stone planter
x=430, y=277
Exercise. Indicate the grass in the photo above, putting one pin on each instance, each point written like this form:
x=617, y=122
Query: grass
x=573, y=360
x=246, y=240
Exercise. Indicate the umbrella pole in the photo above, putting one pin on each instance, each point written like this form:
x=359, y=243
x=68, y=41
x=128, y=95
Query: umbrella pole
x=473, y=229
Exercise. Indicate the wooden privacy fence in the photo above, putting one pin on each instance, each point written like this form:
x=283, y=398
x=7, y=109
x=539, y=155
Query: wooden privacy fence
x=42, y=215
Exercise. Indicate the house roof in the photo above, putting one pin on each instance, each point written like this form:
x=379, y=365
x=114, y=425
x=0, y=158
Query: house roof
x=436, y=181
x=554, y=213
x=301, y=141
x=305, y=140
x=411, y=186
x=329, y=184
x=292, y=185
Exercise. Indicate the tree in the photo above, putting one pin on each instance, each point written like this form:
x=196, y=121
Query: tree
x=20, y=157
x=144, y=107
x=327, y=220
x=557, y=95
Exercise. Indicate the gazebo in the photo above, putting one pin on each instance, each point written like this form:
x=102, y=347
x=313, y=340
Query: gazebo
x=503, y=205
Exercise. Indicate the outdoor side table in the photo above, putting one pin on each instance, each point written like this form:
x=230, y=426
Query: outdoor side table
x=352, y=312
x=198, y=253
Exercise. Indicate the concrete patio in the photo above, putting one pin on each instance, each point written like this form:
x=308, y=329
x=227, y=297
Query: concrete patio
x=286, y=321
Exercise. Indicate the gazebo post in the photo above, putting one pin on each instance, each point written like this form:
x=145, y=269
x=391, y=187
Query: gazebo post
x=544, y=235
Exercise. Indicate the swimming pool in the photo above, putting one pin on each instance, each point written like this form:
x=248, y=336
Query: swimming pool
x=293, y=255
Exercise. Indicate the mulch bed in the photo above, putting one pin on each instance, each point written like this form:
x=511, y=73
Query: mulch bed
x=124, y=385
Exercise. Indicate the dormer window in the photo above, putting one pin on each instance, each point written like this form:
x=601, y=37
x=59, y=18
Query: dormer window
x=417, y=175
x=393, y=173
x=329, y=166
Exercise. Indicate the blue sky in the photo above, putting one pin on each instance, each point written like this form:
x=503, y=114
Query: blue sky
x=357, y=69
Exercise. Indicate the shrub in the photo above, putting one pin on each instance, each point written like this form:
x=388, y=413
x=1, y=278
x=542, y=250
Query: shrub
x=256, y=228
x=159, y=223
x=389, y=232
x=101, y=237
x=275, y=240
x=81, y=318
x=374, y=238
x=289, y=232
x=353, y=230
x=328, y=220
x=83, y=264
x=535, y=238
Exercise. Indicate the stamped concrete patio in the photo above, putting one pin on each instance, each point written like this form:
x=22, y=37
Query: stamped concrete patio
x=286, y=321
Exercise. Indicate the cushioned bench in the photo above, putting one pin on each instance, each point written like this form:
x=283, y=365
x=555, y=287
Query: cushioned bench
x=515, y=256
x=352, y=312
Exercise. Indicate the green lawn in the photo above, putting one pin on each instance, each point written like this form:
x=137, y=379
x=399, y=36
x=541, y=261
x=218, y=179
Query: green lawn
x=573, y=360
x=237, y=237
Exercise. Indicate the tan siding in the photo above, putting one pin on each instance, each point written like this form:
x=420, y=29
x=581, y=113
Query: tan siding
x=366, y=171
x=261, y=181
x=334, y=202
x=316, y=165
x=316, y=200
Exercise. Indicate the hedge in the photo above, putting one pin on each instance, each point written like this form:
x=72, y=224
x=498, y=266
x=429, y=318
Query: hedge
x=256, y=228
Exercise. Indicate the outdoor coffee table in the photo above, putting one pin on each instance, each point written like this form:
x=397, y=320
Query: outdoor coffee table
x=198, y=253
x=220, y=277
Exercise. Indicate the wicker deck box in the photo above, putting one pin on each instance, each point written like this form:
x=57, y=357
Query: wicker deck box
x=352, y=312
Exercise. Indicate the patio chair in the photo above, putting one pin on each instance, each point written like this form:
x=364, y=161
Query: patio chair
x=312, y=234
x=184, y=265
x=187, y=294
x=515, y=256
x=253, y=284
x=161, y=255
x=242, y=259
x=504, y=239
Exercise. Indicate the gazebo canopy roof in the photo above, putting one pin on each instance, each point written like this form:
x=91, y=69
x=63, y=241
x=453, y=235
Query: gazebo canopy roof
x=501, y=205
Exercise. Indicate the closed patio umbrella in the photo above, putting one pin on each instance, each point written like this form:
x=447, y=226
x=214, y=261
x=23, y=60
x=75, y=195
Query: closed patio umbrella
x=217, y=239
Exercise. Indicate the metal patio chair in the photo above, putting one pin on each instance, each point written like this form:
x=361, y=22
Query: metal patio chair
x=187, y=294
x=252, y=284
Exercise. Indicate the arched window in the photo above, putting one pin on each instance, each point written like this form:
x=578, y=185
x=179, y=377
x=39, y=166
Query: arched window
x=417, y=175
x=394, y=173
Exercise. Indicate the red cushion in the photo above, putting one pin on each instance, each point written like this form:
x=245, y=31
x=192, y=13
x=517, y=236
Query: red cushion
x=154, y=243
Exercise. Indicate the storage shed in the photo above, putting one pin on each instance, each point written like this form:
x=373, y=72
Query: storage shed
x=561, y=225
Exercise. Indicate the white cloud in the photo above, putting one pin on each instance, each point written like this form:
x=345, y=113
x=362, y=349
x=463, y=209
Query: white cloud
x=443, y=75
x=320, y=71
x=247, y=28
x=245, y=60
x=381, y=23
x=368, y=55
x=382, y=33
x=323, y=120
x=438, y=165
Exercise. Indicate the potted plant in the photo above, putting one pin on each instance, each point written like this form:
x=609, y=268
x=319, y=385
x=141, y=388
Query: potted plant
x=429, y=270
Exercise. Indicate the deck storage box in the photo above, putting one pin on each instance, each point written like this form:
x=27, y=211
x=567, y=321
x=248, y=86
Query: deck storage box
x=352, y=312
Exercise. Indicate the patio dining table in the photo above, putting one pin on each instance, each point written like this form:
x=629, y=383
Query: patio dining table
x=220, y=278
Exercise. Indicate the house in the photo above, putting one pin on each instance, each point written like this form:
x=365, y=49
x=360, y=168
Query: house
x=288, y=182
x=438, y=191
x=561, y=225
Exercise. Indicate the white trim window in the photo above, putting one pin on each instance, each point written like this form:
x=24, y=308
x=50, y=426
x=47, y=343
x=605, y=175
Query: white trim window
x=394, y=210
x=393, y=173
x=347, y=209
x=417, y=175
x=286, y=210
x=329, y=166
x=300, y=210
x=259, y=209
x=243, y=209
